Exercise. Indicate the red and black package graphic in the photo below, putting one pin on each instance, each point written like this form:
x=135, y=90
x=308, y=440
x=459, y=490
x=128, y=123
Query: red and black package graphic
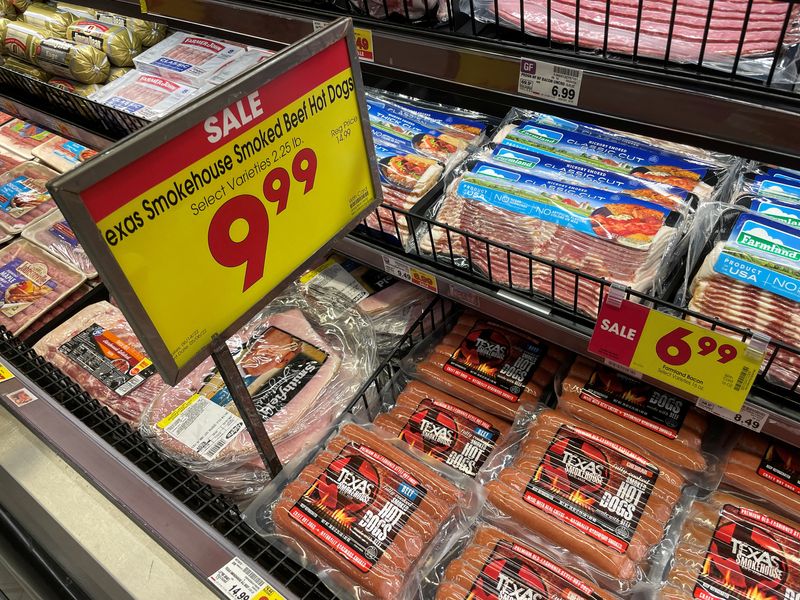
x=451, y=435
x=496, y=359
x=751, y=557
x=781, y=464
x=514, y=571
x=359, y=504
x=635, y=401
x=593, y=484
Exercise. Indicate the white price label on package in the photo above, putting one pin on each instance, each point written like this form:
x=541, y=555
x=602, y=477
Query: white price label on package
x=749, y=416
x=403, y=270
x=237, y=581
x=549, y=82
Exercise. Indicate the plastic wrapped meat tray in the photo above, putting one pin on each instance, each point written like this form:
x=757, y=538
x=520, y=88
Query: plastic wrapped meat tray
x=32, y=282
x=24, y=199
x=147, y=96
x=55, y=235
x=22, y=137
x=62, y=154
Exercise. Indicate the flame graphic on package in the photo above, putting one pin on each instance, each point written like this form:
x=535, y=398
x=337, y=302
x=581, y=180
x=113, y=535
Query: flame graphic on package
x=579, y=498
x=782, y=457
x=611, y=382
x=430, y=430
x=573, y=465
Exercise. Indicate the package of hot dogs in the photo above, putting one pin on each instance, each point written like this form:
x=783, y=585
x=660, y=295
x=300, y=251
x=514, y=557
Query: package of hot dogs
x=365, y=515
x=488, y=365
x=665, y=425
x=766, y=468
x=733, y=549
x=598, y=496
x=302, y=359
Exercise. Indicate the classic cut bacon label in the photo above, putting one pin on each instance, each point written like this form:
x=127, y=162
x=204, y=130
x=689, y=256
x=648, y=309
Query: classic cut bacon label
x=635, y=401
x=496, y=359
x=594, y=485
x=751, y=557
x=453, y=436
x=781, y=465
x=359, y=504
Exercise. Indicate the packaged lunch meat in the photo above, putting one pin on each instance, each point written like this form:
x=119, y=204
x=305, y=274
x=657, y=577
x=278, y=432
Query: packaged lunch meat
x=118, y=43
x=33, y=331
x=147, y=96
x=97, y=349
x=32, y=282
x=55, y=235
x=302, y=361
x=48, y=18
x=364, y=515
x=487, y=365
x=732, y=549
x=22, y=137
x=62, y=154
x=24, y=68
x=20, y=37
x=24, y=199
x=766, y=468
x=444, y=428
x=665, y=425
x=67, y=58
x=80, y=12
x=595, y=495
x=147, y=33
x=494, y=564
x=188, y=59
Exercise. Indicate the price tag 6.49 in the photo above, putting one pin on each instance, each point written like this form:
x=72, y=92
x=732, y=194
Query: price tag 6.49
x=549, y=82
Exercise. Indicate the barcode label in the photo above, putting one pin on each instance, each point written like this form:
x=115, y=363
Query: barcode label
x=203, y=426
x=237, y=581
x=132, y=383
x=567, y=71
x=742, y=379
x=549, y=82
x=749, y=416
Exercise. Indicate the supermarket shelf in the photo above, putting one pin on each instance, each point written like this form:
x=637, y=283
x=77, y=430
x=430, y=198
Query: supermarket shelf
x=535, y=318
x=192, y=542
x=752, y=122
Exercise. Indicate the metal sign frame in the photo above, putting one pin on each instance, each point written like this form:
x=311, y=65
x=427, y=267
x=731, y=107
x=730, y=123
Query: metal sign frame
x=67, y=189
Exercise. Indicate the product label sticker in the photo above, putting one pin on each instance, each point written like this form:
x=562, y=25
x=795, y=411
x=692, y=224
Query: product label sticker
x=110, y=359
x=359, y=504
x=763, y=253
x=203, y=426
x=332, y=276
x=22, y=194
x=451, y=435
x=28, y=131
x=750, y=556
x=21, y=284
x=785, y=212
x=748, y=416
x=513, y=571
x=237, y=581
x=402, y=270
x=550, y=82
x=63, y=232
x=635, y=401
x=594, y=485
x=73, y=152
x=275, y=366
x=496, y=359
x=626, y=221
x=781, y=465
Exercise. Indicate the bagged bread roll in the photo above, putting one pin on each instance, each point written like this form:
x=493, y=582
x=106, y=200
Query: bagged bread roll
x=20, y=38
x=75, y=87
x=21, y=5
x=80, y=12
x=117, y=42
x=7, y=10
x=66, y=58
x=49, y=19
x=3, y=26
x=146, y=32
x=20, y=66
x=116, y=73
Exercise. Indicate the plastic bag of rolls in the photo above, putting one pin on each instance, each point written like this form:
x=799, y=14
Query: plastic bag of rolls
x=48, y=18
x=117, y=42
x=146, y=32
x=19, y=66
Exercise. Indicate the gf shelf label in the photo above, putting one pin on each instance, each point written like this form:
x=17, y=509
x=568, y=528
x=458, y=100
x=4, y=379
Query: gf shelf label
x=686, y=356
x=205, y=225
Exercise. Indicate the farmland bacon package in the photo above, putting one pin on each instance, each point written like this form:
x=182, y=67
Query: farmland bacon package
x=593, y=494
x=55, y=235
x=486, y=364
x=365, y=515
x=302, y=360
x=22, y=137
x=98, y=349
x=24, y=199
x=31, y=282
x=733, y=549
x=147, y=96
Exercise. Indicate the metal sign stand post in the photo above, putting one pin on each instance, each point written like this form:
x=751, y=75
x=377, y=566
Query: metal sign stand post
x=247, y=409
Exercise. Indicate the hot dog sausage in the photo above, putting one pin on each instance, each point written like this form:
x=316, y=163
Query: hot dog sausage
x=451, y=591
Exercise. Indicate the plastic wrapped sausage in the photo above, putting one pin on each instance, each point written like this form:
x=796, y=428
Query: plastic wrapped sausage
x=67, y=58
x=25, y=68
x=48, y=18
x=147, y=33
x=118, y=43
x=75, y=87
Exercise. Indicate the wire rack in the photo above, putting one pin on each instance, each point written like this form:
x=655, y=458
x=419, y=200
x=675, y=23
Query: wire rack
x=216, y=510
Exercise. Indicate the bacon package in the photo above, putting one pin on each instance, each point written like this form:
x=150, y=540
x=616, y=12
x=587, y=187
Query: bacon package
x=62, y=154
x=147, y=96
x=22, y=137
x=732, y=549
x=189, y=59
x=24, y=199
x=55, y=235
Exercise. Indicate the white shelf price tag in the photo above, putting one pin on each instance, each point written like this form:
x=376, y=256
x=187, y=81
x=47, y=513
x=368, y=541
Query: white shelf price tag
x=749, y=416
x=237, y=581
x=403, y=270
x=549, y=82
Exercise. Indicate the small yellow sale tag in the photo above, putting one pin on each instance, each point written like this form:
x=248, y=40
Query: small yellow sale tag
x=364, y=47
x=5, y=374
x=704, y=363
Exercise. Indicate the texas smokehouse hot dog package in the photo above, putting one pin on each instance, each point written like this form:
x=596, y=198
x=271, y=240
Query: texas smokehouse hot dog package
x=365, y=515
x=488, y=365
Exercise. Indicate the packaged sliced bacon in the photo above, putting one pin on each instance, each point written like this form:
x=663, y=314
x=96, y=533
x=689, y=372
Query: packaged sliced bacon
x=5, y=117
x=487, y=364
x=187, y=58
x=22, y=137
x=364, y=515
x=32, y=282
x=732, y=548
x=55, y=235
x=9, y=160
x=97, y=349
x=144, y=95
x=302, y=360
x=24, y=199
x=242, y=63
x=33, y=332
x=600, y=497
x=62, y=154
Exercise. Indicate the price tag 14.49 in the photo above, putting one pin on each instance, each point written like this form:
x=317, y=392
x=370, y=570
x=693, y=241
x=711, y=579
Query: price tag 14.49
x=549, y=82
x=701, y=362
